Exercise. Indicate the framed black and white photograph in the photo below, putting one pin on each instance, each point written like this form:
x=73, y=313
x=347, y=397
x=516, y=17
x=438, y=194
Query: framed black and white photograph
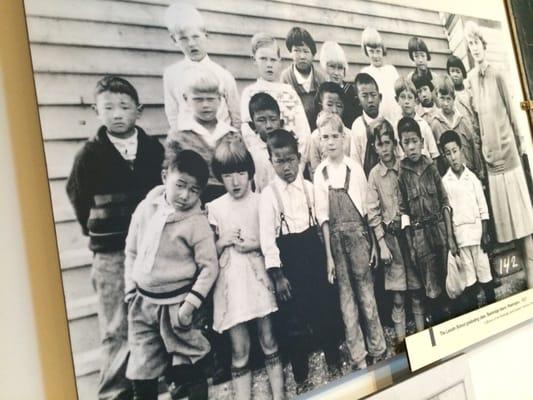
x=256, y=198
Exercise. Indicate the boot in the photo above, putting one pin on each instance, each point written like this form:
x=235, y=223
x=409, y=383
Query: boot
x=488, y=288
x=242, y=382
x=145, y=389
x=274, y=370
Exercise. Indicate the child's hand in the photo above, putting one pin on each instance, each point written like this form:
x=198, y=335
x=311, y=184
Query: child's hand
x=485, y=237
x=229, y=238
x=373, y=262
x=331, y=270
x=386, y=256
x=452, y=246
x=185, y=314
x=281, y=284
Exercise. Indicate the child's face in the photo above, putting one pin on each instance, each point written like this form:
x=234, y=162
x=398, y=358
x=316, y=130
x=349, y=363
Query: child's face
x=376, y=55
x=181, y=189
x=425, y=96
x=412, y=145
x=454, y=155
x=476, y=48
x=370, y=98
x=335, y=72
x=385, y=148
x=204, y=105
x=421, y=60
x=237, y=184
x=267, y=61
x=446, y=103
x=333, y=103
x=332, y=141
x=286, y=163
x=118, y=112
x=457, y=75
x=193, y=42
x=266, y=121
x=302, y=57
x=407, y=102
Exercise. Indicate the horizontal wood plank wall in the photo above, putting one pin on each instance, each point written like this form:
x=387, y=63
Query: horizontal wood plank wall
x=76, y=42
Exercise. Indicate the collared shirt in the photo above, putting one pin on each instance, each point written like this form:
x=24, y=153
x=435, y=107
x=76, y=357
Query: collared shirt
x=337, y=174
x=264, y=170
x=211, y=138
x=175, y=104
x=305, y=82
x=295, y=208
x=126, y=147
x=430, y=149
x=428, y=113
x=468, y=204
x=383, y=196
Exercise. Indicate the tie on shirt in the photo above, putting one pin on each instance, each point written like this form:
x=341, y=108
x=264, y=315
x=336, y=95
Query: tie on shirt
x=152, y=235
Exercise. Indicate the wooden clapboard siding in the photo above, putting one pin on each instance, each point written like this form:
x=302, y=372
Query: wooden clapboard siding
x=76, y=42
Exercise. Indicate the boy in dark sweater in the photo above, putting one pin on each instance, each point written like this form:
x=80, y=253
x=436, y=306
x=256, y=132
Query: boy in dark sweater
x=111, y=174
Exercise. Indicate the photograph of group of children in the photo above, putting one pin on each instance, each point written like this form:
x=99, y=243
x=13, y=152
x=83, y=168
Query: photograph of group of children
x=305, y=217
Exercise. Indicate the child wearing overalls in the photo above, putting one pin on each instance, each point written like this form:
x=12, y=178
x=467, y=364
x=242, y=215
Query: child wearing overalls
x=340, y=193
x=295, y=261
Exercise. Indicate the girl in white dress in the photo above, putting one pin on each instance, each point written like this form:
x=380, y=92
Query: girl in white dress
x=384, y=74
x=243, y=291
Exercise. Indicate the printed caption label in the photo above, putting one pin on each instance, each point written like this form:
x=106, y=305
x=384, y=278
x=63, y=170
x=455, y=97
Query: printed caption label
x=450, y=337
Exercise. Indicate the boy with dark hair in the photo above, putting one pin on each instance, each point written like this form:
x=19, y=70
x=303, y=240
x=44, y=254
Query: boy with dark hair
x=171, y=265
x=301, y=74
x=384, y=217
x=470, y=220
x=362, y=144
x=463, y=94
x=426, y=216
x=111, y=174
x=265, y=118
x=330, y=99
x=420, y=56
x=427, y=108
x=447, y=118
x=296, y=262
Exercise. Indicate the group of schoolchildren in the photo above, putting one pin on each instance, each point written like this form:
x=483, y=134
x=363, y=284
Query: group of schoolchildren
x=277, y=210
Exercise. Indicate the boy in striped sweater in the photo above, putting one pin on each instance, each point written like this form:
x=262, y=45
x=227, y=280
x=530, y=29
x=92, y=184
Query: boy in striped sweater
x=111, y=174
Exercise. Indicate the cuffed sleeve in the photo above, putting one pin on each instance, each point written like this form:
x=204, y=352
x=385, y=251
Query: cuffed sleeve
x=205, y=257
x=79, y=191
x=481, y=201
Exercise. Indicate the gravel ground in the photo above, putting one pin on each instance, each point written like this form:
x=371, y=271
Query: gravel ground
x=319, y=376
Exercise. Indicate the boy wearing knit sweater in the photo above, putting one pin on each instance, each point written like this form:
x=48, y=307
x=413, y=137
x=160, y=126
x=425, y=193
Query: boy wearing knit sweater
x=171, y=265
x=112, y=173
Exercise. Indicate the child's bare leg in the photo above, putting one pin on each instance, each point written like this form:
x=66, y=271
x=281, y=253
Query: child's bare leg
x=527, y=252
x=240, y=371
x=417, y=305
x=398, y=315
x=273, y=364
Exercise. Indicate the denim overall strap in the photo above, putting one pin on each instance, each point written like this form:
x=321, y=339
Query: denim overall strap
x=282, y=220
x=371, y=157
